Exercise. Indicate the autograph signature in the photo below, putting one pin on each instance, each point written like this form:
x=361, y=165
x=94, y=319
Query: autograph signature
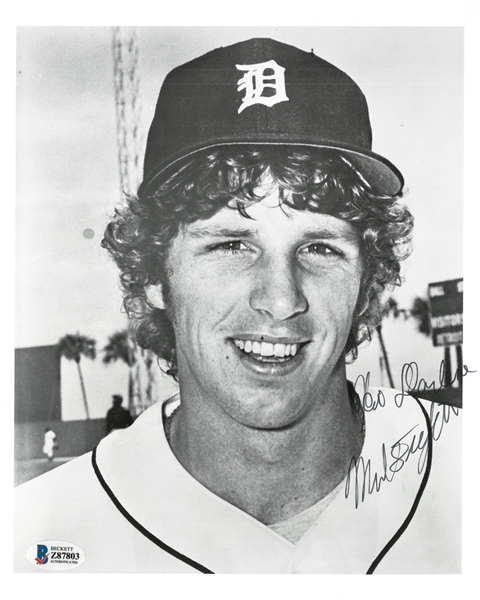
x=365, y=481
x=410, y=381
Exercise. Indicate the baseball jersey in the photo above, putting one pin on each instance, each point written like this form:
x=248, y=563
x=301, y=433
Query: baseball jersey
x=130, y=507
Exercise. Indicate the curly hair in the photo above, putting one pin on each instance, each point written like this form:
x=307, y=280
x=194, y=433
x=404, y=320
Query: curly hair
x=139, y=235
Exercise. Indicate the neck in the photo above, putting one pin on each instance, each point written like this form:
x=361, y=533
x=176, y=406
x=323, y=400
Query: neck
x=271, y=474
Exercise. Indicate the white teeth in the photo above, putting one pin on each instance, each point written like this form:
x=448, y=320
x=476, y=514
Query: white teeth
x=267, y=349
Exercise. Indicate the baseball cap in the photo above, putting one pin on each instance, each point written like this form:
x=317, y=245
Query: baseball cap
x=262, y=92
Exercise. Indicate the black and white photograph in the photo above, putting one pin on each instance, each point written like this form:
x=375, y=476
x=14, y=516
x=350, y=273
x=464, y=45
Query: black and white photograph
x=239, y=274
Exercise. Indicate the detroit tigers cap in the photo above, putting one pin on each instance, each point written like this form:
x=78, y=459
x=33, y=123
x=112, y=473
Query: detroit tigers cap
x=262, y=92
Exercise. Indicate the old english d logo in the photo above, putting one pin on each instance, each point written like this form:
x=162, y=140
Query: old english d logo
x=255, y=81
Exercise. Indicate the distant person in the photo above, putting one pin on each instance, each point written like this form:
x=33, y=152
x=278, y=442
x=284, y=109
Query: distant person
x=117, y=416
x=49, y=444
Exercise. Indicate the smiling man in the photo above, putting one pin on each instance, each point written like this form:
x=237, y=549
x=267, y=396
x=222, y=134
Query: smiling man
x=260, y=340
x=253, y=262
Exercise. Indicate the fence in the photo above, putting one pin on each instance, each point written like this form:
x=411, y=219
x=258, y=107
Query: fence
x=73, y=437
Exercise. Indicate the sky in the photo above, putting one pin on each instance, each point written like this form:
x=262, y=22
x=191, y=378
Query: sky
x=68, y=183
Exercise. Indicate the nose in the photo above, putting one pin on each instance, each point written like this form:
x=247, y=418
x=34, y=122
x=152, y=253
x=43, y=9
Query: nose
x=276, y=290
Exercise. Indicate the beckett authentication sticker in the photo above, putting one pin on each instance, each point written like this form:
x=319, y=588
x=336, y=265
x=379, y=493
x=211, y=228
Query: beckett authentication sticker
x=55, y=555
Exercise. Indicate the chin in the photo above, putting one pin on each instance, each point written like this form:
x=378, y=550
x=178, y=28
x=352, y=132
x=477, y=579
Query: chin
x=267, y=417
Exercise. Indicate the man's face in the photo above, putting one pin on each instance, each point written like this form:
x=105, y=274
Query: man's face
x=262, y=308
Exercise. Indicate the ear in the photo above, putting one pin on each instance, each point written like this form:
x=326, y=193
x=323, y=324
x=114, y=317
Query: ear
x=363, y=305
x=155, y=296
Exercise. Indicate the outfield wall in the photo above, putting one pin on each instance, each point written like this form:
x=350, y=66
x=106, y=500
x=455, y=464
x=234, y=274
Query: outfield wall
x=73, y=437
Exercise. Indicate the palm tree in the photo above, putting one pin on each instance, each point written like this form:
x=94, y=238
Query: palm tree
x=419, y=311
x=148, y=360
x=73, y=347
x=389, y=308
x=121, y=347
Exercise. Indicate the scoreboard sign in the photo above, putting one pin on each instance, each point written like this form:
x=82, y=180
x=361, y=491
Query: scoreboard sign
x=445, y=301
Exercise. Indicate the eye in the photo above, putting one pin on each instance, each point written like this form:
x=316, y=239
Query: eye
x=320, y=249
x=230, y=247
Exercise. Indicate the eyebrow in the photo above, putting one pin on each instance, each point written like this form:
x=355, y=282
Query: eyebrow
x=219, y=231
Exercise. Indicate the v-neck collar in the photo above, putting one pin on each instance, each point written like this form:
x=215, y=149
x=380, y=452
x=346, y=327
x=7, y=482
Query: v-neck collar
x=146, y=479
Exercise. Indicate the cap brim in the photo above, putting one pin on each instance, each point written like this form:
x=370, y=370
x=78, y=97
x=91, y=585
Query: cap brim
x=377, y=171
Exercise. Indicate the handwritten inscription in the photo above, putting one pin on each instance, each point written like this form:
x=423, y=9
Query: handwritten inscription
x=410, y=382
x=362, y=479
x=366, y=481
x=369, y=401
